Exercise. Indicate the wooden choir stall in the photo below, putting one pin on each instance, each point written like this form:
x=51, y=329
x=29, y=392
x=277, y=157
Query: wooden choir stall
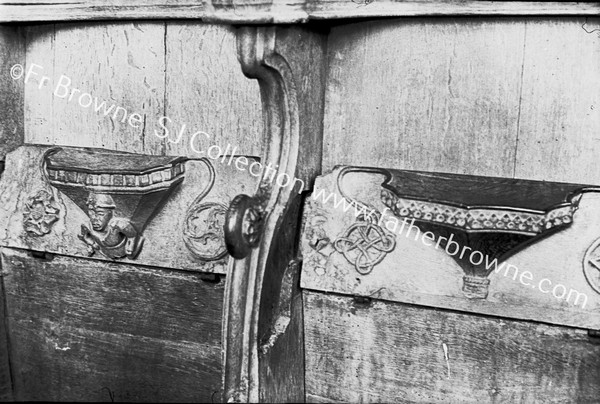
x=300, y=201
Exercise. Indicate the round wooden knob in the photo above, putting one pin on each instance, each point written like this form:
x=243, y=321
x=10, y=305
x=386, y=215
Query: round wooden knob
x=243, y=226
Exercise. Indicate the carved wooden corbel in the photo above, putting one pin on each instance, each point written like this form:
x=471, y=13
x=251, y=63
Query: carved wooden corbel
x=494, y=216
x=260, y=229
x=119, y=192
x=459, y=242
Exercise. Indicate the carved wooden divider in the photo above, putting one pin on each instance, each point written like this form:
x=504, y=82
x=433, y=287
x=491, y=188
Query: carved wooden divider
x=262, y=330
x=350, y=269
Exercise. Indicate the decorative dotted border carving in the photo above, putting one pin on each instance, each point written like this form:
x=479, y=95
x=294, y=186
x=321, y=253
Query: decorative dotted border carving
x=116, y=180
x=478, y=219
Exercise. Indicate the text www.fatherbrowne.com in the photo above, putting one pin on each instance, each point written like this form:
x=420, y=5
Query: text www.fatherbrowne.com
x=452, y=248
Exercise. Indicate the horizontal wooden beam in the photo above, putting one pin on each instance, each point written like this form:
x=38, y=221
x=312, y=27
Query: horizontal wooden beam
x=276, y=11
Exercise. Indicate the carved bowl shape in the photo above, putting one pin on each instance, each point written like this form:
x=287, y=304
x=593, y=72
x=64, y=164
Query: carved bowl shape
x=494, y=216
x=132, y=186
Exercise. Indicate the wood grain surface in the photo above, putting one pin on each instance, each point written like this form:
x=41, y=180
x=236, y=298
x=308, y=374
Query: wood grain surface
x=187, y=73
x=512, y=97
x=278, y=11
x=120, y=63
x=450, y=101
x=12, y=52
x=560, y=116
x=389, y=352
x=206, y=90
x=85, y=330
x=6, y=383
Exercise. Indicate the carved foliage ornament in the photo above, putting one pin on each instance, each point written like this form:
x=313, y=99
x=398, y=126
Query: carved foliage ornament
x=203, y=230
x=40, y=213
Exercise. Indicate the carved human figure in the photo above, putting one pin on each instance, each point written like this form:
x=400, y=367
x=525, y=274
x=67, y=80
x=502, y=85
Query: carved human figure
x=114, y=237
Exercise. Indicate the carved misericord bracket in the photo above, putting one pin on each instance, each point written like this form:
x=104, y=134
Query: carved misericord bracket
x=531, y=243
x=44, y=208
x=496, y=217
x=120, y=193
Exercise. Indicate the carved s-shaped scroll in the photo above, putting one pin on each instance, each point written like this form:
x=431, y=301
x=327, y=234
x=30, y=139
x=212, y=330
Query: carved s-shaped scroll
x=246, y=216
x=259, y=229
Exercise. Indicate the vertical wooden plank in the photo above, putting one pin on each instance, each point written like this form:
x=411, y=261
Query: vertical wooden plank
x=389, y=352
x=38, y=108
x=559, y=130
x=12, y=52
x=207, y=91
x=434, y=94
x=6, y=383
x=84, y=330
x=121, y=64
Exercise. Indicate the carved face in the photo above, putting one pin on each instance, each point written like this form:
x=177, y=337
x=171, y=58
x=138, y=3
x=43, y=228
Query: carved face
x=100, y=217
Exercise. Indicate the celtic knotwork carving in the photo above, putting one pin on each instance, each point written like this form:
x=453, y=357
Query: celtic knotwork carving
x=40, y=213
x=591, y=265
x=203, y=231
x=365, y=244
